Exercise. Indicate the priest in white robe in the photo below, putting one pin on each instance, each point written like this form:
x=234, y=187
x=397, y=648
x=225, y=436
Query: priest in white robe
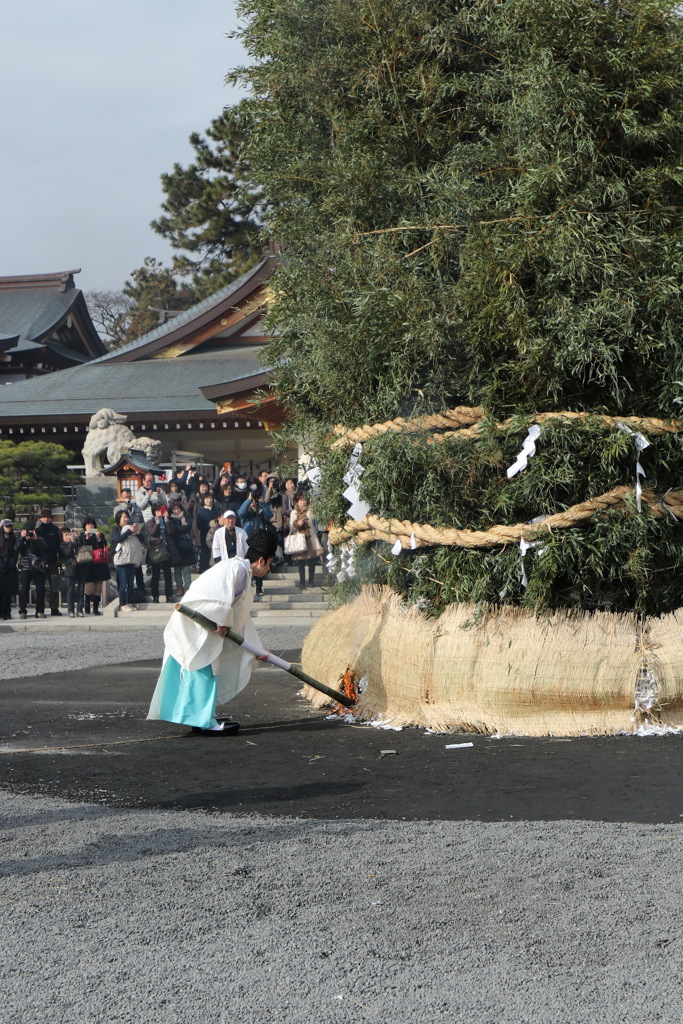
x=200, y=668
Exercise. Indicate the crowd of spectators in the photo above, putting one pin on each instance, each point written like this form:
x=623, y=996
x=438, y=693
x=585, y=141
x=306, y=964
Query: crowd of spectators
x=161, y=535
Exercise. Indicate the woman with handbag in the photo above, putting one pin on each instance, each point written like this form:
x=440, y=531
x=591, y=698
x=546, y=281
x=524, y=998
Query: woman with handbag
x=302, y=541
x=289, y=496
x=92, y=567
x=9, y=577
x=159, y=553
x=128, y=552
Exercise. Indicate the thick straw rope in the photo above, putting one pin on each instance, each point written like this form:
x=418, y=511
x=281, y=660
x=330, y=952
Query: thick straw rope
x=462, y=416
x=375, y=528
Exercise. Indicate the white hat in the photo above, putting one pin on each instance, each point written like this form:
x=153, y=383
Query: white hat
x=229, y=513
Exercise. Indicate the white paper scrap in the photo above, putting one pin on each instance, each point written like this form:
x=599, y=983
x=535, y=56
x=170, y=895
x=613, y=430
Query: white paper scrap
x=397, y=548
x=359, y=510
x=413, y=542
x=351, y=494
x=455, y=746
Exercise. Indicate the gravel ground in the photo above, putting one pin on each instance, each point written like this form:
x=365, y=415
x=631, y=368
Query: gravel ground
x=23, y=654
x=181, y=917
x=151, y=916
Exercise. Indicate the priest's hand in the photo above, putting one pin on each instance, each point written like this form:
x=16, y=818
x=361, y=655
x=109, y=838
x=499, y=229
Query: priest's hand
x=221, y=630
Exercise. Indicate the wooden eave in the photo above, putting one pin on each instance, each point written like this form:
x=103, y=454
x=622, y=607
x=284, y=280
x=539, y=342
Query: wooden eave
x=249, y=300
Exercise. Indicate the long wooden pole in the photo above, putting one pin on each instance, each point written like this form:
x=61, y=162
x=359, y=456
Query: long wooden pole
x=348, y=702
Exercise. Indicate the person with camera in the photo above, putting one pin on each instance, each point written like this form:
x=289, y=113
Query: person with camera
x=127, y=552
x=92, y=561
x=135, y=515
x=32, y=569
x=256, y=514
x=52, y=537
x=161, y=552
x=147, y=498
x=9, y=577
x=187, y=479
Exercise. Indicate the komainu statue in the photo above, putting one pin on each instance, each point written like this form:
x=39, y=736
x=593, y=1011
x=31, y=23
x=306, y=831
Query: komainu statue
x=108, y=436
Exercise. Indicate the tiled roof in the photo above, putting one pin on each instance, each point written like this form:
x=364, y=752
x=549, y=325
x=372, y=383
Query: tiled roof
x=155, y=386
x=32, y=313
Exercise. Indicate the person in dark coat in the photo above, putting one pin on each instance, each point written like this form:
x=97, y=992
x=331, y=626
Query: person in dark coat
x=52, y=537
x=160, y=531
x=9, y=576
x=185, y=557
x=32, y=569
x=256, y=514
x=205, y=516
x=92, y=575
x=67, y=552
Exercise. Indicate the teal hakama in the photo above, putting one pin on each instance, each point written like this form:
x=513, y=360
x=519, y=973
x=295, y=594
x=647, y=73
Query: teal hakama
x=188, y=698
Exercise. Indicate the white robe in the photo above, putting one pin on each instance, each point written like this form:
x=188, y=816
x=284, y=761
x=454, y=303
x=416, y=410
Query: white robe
x=219, y=548
x=193, y=647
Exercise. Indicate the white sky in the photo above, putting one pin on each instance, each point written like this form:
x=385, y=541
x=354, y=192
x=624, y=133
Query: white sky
x=98, y=101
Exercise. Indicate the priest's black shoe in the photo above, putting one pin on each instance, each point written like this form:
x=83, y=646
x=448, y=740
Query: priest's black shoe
x=229, y=729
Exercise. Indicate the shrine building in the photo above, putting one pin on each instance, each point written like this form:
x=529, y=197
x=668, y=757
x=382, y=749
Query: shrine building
x=194, y=382
x=45, y=326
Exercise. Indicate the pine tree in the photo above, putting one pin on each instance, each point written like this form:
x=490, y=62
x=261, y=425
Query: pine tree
x=152, y=290
x=481, y=202
x=33, y=474
x=211, y=212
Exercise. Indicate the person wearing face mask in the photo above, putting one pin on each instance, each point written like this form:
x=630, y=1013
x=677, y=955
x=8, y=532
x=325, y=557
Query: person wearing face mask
x=241, y=488
x=9, y=576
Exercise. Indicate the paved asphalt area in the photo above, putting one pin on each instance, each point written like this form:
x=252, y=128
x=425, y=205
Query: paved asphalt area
x=83, y=735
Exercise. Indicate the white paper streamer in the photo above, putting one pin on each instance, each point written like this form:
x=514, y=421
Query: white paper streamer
x=397, y=548
x=641, y=443
x=524, y=546
x=354, y=471
x=413, y=542
x=528, y=449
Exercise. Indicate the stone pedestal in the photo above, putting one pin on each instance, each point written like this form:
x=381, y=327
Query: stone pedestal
x=97, y=497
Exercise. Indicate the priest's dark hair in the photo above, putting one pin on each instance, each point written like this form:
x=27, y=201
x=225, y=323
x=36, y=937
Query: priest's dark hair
x=262, y=544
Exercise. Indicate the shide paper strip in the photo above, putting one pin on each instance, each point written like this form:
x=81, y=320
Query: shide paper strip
x=528, y=449
x=641, y=443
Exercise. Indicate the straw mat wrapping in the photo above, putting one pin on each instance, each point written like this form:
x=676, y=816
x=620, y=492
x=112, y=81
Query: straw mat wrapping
x=506, y=671
x=665, y=644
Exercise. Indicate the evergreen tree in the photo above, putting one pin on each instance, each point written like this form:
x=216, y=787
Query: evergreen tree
x=33, y=474
x=152, y=290
x=481, y=202
x=211, y=212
